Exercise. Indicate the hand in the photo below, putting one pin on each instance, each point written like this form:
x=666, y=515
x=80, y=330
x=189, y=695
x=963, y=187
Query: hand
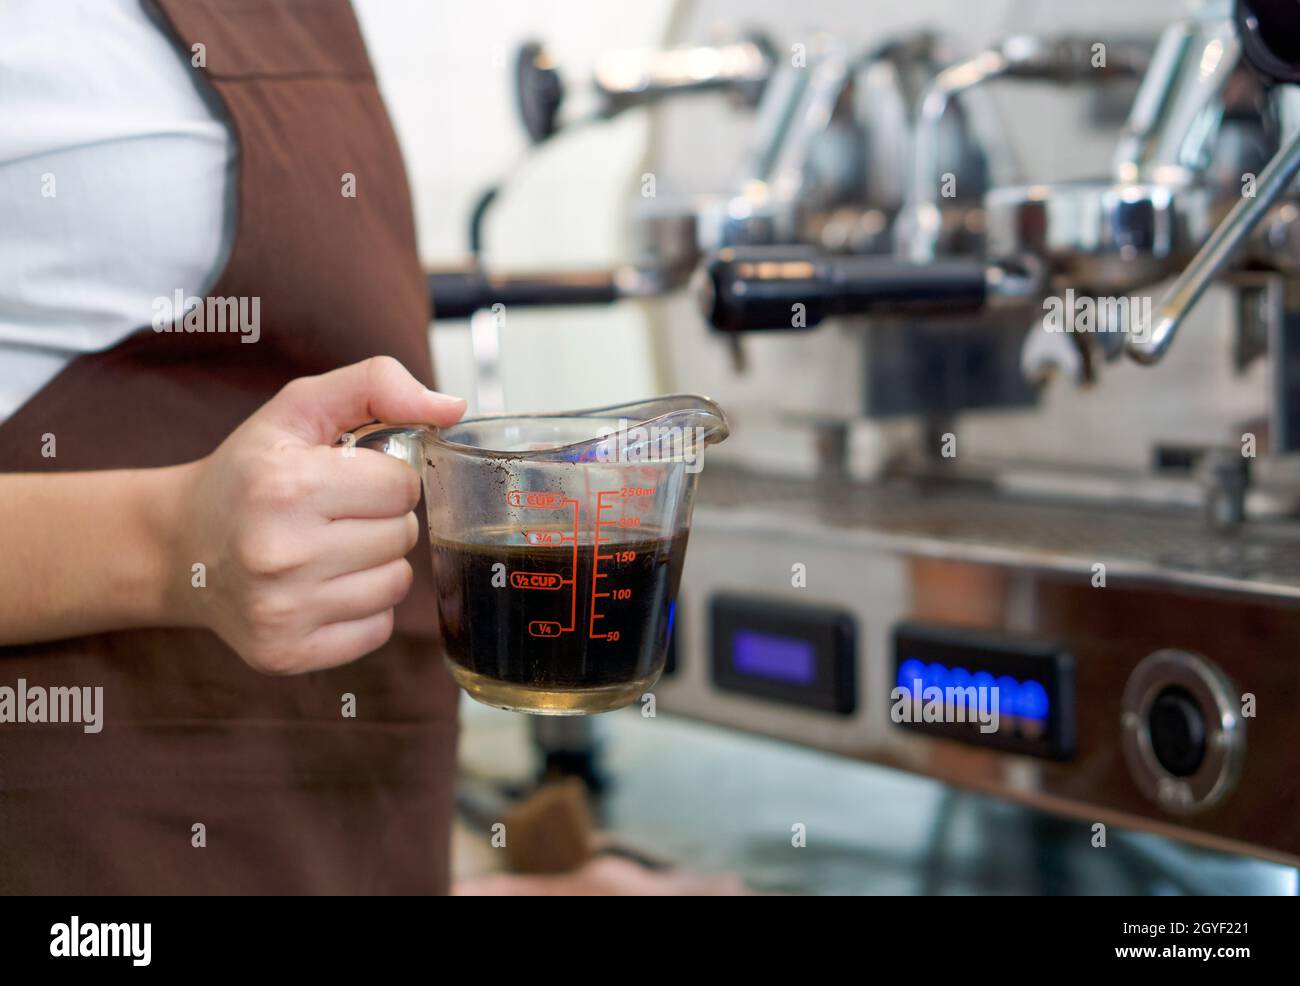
x=305, y=543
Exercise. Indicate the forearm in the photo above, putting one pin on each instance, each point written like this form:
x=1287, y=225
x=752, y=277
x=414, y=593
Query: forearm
x=89, y=552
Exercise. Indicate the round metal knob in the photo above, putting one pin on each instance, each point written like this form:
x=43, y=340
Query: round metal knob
x=1183, y=735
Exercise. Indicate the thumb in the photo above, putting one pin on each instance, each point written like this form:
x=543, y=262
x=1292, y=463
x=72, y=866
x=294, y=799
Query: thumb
x=319, y=409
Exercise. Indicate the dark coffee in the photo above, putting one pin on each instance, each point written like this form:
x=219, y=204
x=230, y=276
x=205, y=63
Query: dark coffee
x=548, y=619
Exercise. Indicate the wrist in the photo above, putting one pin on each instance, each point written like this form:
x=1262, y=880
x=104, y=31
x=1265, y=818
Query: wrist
x=168, y=593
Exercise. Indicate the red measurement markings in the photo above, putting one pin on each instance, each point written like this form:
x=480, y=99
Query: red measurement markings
x=618, y=557
x=535, y=580
x=536, y=500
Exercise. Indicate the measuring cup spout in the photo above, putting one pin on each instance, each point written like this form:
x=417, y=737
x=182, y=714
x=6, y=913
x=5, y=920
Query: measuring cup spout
x=666, y=426
x=679, y=411
x=672, y=428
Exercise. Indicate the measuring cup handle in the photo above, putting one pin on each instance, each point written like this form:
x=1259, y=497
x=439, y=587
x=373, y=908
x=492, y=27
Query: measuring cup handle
x=405, y=442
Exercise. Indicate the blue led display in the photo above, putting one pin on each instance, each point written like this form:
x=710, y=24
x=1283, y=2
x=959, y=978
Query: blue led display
x=1025, y=699
x=765, y=655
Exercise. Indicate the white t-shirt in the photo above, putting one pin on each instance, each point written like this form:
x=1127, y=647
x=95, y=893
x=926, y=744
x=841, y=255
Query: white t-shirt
x=117, y=181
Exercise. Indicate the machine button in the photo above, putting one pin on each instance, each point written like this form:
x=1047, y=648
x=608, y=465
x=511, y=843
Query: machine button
x=1177, y=729
x=1183, y=734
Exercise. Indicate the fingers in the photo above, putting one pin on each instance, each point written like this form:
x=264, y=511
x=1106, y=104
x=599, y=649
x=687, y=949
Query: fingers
x=339, y=643
x=361, y=482
x=358, y=595
x=348, y=546
x=319, y=409
x=285, y=629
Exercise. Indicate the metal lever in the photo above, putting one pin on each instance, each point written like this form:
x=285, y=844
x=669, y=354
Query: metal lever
x=1267, y=30
x=639, y=78
x=628, y=79
x=1185, y=292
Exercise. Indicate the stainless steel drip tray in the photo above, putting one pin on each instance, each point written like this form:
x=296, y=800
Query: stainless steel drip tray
x=1171, y=546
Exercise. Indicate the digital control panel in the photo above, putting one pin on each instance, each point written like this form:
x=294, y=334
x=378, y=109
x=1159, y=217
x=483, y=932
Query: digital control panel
x=988, y=689
x=786, y=652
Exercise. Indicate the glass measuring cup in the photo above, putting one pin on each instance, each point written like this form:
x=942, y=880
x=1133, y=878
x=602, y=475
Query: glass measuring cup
x=557, y=543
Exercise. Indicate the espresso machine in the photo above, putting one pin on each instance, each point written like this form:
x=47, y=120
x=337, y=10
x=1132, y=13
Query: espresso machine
x=992, y=424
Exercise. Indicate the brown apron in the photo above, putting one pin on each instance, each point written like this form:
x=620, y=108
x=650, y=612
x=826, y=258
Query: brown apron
x=292, y=796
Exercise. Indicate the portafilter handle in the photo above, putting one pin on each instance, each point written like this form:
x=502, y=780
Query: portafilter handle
x=795, y=288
